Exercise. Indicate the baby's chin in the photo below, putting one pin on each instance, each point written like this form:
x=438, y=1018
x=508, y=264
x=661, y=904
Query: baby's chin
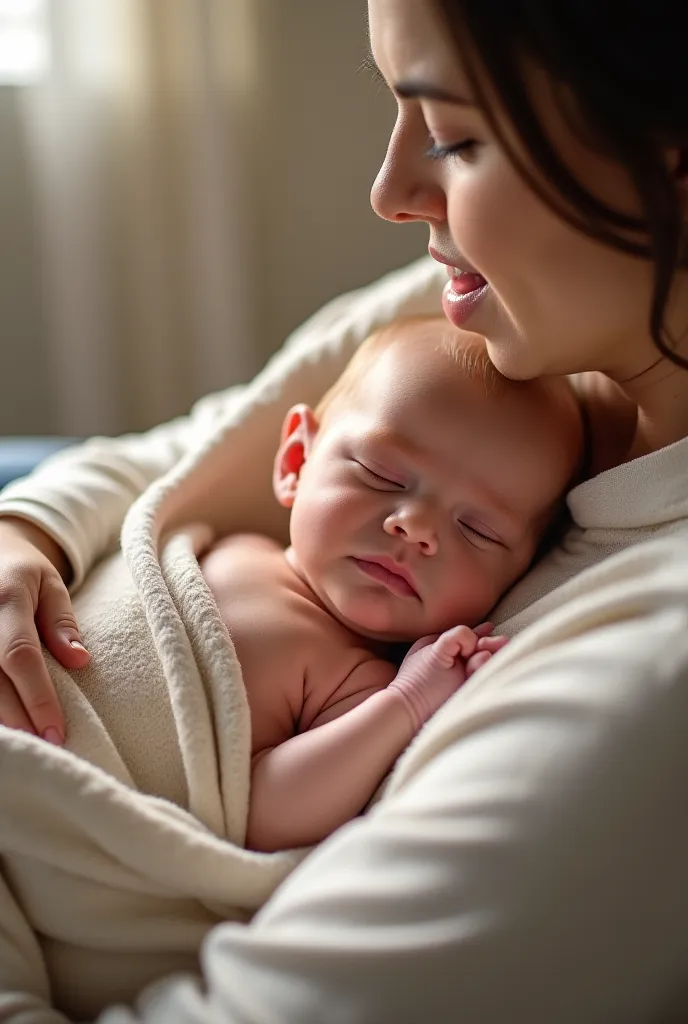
x=375, y=621
x=377, y=628
x=380, y=624
x=378, y=620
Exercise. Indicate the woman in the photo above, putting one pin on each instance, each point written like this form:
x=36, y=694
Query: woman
x=531, y=865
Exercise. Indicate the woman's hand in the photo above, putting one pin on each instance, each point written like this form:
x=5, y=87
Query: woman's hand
x=34, y=606
x=436, y=666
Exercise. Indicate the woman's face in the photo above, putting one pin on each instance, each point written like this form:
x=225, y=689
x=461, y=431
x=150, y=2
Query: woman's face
x=557, y=301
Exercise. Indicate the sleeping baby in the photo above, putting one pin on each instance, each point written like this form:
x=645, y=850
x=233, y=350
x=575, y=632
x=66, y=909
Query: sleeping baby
x=420, y=490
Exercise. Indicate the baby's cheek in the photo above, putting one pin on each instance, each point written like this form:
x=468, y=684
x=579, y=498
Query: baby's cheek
x=474, y=589
x=329, y=513
x=346, y=508
x=319, y=522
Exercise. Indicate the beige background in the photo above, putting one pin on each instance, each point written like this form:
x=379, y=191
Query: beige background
x=313, y=132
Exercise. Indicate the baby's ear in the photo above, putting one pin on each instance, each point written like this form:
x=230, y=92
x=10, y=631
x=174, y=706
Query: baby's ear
x=298, y=434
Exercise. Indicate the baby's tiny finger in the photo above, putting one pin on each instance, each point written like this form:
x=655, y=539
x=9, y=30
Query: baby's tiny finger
x=476, y=661
x=461, y=639
x=492, y=643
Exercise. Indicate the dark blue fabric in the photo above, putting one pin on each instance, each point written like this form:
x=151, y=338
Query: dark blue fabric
x=19, y=455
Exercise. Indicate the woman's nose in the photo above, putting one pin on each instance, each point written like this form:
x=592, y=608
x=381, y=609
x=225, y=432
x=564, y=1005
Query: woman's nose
x=414, y=527
x=407, y=186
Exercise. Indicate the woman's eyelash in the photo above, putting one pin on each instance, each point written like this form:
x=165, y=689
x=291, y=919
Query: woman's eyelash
x=437, y=152
x=369, y=64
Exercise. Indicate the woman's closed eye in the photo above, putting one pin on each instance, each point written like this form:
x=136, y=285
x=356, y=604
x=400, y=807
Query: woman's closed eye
x=465, y=149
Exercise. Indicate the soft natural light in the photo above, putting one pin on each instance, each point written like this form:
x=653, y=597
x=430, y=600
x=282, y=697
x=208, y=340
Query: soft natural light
x=24, y=41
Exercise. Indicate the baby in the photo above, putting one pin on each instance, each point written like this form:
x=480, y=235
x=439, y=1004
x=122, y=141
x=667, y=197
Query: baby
x=420, y=490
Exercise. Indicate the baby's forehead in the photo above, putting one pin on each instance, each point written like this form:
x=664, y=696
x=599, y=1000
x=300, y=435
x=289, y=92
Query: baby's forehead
x=421, y=415
x=409, y=382
x=439, y=405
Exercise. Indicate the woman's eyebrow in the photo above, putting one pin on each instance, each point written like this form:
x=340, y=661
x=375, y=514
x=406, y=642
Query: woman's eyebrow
x=428, y=91
x=417, y=90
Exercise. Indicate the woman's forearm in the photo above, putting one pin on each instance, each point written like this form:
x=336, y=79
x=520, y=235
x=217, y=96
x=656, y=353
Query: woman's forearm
x=305, y=788
x=79, y=497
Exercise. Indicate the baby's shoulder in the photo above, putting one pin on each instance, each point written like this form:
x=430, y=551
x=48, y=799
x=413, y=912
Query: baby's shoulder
x=239, y=549
x=242, y=567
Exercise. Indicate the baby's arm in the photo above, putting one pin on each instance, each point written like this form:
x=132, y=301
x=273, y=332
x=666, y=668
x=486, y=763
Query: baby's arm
x=305, y=788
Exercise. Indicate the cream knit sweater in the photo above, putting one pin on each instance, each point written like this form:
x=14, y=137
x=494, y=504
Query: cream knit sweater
x=529, y=861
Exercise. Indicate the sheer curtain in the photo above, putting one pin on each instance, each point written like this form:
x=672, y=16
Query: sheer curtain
x=182, y=182
x=139, y=157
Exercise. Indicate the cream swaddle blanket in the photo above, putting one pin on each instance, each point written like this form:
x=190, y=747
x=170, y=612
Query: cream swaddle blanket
x=117, y=862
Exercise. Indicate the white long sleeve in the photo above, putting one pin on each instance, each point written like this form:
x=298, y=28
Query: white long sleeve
x=532, y=864
x=81, y=495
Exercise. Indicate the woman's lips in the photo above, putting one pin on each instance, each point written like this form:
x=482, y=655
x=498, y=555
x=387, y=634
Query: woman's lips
x=464, y=291
x=462, y=294
x=393, y=576
x=463, y=282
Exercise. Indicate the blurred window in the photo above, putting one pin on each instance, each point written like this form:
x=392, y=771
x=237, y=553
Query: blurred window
x=24, y=41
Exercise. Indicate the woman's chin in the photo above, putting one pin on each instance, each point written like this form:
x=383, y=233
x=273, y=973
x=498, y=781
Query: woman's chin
x=513, y=358
x=519, y=355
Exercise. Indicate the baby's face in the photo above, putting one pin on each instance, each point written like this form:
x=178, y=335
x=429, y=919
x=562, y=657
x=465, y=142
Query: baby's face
x=424, y=497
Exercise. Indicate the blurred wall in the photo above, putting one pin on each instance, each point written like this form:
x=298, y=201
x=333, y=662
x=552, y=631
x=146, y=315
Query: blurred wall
x=320, y=134
x=326, y=131
x=24, y=391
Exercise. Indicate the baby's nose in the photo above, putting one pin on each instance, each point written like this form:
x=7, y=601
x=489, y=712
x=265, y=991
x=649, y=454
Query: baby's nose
x=415, y=528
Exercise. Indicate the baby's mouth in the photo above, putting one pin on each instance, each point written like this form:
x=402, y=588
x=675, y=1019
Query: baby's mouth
x=397, y=578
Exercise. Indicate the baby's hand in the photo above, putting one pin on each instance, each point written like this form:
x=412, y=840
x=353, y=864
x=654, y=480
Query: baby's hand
x=436, y=666
x=487, y=646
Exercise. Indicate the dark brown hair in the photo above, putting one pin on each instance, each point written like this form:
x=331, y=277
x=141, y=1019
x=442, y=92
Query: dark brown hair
x=624, y=67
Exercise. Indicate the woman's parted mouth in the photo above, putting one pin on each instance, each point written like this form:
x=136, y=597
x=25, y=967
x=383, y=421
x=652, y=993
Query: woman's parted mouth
x=463, y=280
x=455, y=266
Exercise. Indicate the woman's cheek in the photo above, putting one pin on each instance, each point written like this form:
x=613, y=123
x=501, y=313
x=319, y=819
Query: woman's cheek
x=488, y=210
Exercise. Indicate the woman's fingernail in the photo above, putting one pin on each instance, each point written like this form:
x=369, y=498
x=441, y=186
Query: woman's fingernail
x=77, y=645
x=51, y=735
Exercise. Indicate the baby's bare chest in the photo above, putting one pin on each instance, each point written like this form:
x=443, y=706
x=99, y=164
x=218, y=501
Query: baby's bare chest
x=295, y=657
